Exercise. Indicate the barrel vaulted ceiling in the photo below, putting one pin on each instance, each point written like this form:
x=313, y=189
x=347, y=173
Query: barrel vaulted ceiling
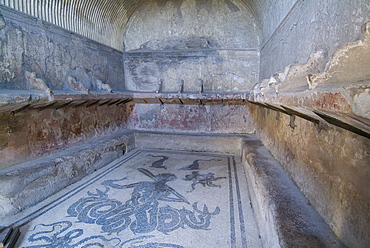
x=99, y=20
x=105, y=20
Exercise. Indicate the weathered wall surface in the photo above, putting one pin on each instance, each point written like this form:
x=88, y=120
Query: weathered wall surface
x=29, y=44
x=190, y=118
x=330, y=166
x=342, y=88
x=34, y=133
x=318, y=59
x=309, y=27
x=194, y=43
x=227, y=23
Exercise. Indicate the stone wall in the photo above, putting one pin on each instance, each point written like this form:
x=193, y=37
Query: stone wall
x=53, y=54
x=190, y=118
x=191, y=46
x=330, y=165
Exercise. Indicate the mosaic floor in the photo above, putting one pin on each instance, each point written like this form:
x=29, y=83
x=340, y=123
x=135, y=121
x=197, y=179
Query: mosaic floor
x=149, y=198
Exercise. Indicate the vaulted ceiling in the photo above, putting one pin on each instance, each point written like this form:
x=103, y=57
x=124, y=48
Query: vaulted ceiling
x=105, y=20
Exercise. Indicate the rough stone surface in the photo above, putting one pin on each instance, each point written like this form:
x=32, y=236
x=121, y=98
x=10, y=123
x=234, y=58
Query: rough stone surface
x=293, y=77
x=53, y=54
x=330, y=165
x=208, y=70
x=28, y=183
x=2, y=22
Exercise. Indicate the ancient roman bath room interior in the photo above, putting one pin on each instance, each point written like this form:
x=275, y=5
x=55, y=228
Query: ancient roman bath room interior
x=185, y=123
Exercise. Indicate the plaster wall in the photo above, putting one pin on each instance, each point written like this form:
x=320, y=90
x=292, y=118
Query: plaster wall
x=330, y=165
x=191, y=43
x=311, y=26
x=53, y=53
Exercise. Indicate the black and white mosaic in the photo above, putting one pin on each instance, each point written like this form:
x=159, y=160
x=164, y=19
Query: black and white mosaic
x=149, y=199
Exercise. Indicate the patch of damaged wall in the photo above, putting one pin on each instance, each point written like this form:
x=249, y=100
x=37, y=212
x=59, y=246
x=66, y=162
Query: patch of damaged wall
x=34, y=133
x=309, y=27
x=53, y=54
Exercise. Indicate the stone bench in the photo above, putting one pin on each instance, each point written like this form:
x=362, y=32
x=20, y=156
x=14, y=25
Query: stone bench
x=284, y=215
x=26, y=184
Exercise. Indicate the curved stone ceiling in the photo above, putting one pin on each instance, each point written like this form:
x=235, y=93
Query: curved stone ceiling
x=99, y=20
x=105, y=20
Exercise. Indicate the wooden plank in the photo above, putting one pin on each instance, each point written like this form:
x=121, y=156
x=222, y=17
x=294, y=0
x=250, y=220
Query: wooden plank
x=13, y=238
x=5, y=235
x=353, y=124
x=305, y=114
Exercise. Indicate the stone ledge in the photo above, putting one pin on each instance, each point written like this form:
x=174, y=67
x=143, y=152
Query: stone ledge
x=284, y=216
x=28, y=183
x=218, y=143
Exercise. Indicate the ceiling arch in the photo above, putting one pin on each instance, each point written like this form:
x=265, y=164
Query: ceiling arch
x=101, y=20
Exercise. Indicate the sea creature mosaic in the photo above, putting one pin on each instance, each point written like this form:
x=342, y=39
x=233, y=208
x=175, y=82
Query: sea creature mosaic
x=142, y=213
x=202, y=179
x=62, y=234
x=136, y=206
